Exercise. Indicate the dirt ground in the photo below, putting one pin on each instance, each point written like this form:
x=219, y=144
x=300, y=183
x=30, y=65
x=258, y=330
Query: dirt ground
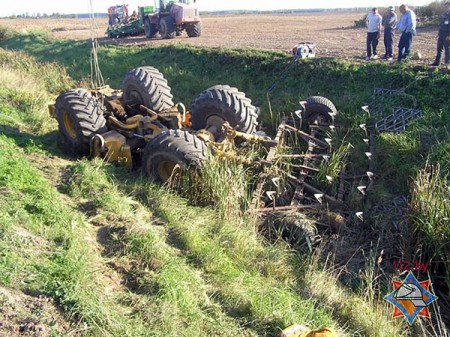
x=333, y=33
x=23, y=315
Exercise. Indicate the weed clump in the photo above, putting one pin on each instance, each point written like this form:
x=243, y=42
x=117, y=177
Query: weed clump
x=430, y=202
x=7, y=33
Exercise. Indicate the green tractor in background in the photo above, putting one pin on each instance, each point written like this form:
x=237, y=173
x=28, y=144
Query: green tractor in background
x=169, y=19
x=120, y=24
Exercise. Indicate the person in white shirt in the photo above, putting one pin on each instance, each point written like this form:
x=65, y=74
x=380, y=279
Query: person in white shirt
x=373, y=23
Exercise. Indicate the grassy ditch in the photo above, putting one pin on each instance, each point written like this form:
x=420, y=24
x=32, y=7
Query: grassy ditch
x=122, y=256
x=349, y=85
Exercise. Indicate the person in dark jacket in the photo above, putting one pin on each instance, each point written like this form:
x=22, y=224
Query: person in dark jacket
x=443, y=37
x=389, y=23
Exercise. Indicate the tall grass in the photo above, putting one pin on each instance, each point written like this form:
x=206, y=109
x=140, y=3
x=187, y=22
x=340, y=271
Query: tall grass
x=7, y=33
x=330, y=170
x=429, y=14
x=26, y=87
x=49, y=76
x=430, y=202
x=223, y=184
x=197, y=266
x=366, y=314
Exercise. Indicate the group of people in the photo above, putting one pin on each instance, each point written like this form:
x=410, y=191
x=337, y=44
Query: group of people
x=407, y=27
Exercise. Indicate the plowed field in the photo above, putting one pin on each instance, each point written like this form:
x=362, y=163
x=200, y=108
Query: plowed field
x=333, y=33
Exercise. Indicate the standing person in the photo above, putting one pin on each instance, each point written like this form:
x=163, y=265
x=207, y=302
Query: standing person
x=443, y=37
x=373, y=23
x=389, y=23
x=407, y=27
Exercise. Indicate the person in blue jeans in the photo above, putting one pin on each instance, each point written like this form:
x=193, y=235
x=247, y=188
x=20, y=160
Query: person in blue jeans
x=443, y=37
x=389, y=23
x=407, y=27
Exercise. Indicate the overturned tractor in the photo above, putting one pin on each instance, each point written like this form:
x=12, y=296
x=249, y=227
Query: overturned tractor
x=140, y=126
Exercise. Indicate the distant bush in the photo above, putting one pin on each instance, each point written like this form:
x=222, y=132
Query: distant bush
x=7, y=33
x=429, y=14
x=361, y=23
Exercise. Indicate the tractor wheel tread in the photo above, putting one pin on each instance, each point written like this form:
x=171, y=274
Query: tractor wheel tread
x=150, y=29
x=178, y=146
x=152, y=88
x=86, y=115
x=319, y=106
x=194, y=30
x=322, y=101
x=228, y=103
x=167, y=28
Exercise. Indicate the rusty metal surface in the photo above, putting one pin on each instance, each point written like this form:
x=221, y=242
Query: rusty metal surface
x=297, y=162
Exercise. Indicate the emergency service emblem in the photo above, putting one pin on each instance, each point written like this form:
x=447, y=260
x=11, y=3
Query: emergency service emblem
x=411, y=298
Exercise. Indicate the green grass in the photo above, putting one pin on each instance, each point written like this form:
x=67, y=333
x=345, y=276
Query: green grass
x=223, y=185
x=430, y=203
x=44, y=250
x=129, y=257
x=204, y=268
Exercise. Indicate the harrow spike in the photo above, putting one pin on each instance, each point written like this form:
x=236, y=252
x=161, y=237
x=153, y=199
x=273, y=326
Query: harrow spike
x=275, y=181
x=271, y=194
x=363, y=126
x=329, y=178
x=329, y=140
x=365, y=108
x=302, y=105
x=362, y=189
x=332, y=128
x=360, y=215
x=326, y=157
x=332, y=114
x=366, y=141
x=369, y=155
x=319, y=197
x=370, y=175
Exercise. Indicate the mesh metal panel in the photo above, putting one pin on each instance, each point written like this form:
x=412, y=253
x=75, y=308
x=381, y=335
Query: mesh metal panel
x=398, y=120
x=394, y=109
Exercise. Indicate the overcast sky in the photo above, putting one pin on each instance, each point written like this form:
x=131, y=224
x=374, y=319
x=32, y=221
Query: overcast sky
x=82, y=6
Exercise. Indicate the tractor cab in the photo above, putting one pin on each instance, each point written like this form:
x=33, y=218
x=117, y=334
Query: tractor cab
x=166, y=5
x=121, y=24
x=117, y=14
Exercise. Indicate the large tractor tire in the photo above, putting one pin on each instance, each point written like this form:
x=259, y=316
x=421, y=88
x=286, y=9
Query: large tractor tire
x=194, y=30
x=80, y=116
x=167, y=28
x=150, y=29
x=172, y=152
x=147, y=86
x=224, y=103
x=318, y=110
